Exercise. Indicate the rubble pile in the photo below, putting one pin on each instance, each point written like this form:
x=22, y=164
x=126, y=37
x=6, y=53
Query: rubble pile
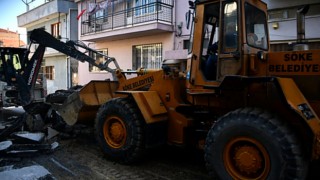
x=15, y=141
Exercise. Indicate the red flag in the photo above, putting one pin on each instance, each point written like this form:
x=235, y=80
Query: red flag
x=81, y=13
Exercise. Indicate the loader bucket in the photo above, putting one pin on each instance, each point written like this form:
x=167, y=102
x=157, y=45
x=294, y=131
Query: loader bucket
x=82, y=105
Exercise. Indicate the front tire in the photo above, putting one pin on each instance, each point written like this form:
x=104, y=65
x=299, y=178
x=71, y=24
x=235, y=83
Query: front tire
x=119, y=129
x=253, y=144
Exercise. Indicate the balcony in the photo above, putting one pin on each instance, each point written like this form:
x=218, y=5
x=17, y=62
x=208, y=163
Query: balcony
x=148, y=19
x=45, y=12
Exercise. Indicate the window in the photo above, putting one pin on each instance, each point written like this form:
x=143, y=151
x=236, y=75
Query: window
x=148, y=56
x=55, y=30
x=186, y=44
x=99, y=59
x=209, y=56
x=48, y=71
x=256, y=27
x=129, y=7
x=146, y=7
x=230, y=27
x=98, y=12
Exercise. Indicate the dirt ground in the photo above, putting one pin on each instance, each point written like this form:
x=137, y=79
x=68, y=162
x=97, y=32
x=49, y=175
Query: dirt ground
x=81, y=158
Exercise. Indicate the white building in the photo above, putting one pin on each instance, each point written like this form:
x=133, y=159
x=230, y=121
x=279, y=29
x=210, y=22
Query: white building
x=141, y=33
x=283, y=23
x=59, y=18
x=138, y=33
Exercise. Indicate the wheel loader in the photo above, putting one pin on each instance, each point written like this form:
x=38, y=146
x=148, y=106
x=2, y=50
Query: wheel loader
x=254, y=112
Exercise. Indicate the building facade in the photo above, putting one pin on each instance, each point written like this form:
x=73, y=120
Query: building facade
x=141, y=33
x=138, y=33
x=59, y=18
x=283, y=23
x=10, y=39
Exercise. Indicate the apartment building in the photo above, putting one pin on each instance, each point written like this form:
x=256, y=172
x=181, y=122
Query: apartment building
x=283, y=26
x=10, y=39
x=59, y=18
x=138, y=33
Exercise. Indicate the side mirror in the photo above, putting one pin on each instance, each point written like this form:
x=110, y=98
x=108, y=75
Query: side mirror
x=192, y=5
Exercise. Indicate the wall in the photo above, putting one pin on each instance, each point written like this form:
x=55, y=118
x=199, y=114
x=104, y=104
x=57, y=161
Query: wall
x=72, y=29
x=68, y=30
x=122, y=51
x=275, y=4
x=60, y=74
x=10, y=39
x=181, y=8
x=287, y=31
x=40, y=13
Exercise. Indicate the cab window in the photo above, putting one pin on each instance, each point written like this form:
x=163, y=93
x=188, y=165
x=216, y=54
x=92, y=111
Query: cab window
x=230, y=26
x=209, y=56
x=256, y=28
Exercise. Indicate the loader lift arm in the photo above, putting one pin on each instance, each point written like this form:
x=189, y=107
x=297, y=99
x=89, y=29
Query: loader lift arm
x=42, y=37
x=26, y=77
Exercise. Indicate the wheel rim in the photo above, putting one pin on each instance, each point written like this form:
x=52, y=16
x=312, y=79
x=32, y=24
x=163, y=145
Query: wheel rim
x=246, y=158
x=114, y=132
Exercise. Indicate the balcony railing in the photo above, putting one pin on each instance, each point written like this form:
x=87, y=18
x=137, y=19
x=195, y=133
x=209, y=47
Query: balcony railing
x=161, y=12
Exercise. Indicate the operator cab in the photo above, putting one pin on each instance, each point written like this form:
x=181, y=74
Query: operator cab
x=222, y=41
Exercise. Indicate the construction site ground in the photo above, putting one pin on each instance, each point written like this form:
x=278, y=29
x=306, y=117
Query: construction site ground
x=79, y=157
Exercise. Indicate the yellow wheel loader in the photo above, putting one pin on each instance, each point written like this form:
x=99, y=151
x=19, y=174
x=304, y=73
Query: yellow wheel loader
x=252, y=111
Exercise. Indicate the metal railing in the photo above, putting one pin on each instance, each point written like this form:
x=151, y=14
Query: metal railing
x=159, y=11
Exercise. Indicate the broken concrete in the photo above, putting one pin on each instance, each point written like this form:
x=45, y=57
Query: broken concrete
x=25, y=173
x=4, y=145
x=29, y=137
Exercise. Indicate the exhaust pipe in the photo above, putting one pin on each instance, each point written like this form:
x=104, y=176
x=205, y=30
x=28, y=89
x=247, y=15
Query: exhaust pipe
x=301, y=39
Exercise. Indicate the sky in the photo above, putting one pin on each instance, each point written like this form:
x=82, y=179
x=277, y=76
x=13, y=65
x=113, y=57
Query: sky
x=10, y=9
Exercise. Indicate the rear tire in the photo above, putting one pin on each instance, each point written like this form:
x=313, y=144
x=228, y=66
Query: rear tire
x=253, y=144
x=119, y=130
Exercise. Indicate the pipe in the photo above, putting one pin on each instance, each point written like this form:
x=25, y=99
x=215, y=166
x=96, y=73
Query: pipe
x=301, y=32
x=301, y=23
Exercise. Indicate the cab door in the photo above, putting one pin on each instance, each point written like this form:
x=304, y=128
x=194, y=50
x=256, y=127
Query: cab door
x=204, y=60
x=229, y=44
x=216, y=25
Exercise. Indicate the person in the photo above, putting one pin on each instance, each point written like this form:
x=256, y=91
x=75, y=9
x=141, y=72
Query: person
x=211, y=63
x=252, y=39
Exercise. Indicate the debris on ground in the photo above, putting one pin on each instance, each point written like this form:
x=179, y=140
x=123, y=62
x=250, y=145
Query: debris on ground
x=23, y=143
x=25, y=173
x=15, y=141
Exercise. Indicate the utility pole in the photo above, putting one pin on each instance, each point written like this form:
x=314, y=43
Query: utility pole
x=27, y=3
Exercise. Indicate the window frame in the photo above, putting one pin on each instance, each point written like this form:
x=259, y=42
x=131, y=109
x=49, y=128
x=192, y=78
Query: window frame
x=153, y=50
x=55, y=30
x=48, y=72
x=94, y=69
x=146, y=7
